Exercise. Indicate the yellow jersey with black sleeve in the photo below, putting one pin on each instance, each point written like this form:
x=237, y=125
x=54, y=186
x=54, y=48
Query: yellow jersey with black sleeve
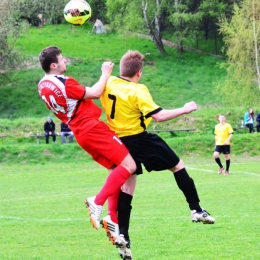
x=222, y=133
x=128, y=106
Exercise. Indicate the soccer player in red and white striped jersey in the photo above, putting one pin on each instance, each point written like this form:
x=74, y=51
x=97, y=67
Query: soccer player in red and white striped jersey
x=72, y=103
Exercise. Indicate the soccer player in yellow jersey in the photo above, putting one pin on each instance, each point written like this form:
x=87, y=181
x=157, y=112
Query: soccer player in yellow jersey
x=129, y=108
x=223, y=134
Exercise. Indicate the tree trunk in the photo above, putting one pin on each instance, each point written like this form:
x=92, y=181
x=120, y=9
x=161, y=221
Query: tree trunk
x=216, y=42
x=154, y=31
x=158, y=41
x=206, y=28
x=256, y=37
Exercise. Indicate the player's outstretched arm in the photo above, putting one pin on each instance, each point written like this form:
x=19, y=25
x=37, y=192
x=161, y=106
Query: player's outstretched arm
x=165, y=115
x=97, y=89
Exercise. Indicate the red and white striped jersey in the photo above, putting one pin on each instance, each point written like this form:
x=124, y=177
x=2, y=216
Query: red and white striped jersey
x=64, y=97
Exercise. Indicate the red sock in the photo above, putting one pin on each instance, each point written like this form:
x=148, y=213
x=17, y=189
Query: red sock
x=113, y=184
x=112, y=206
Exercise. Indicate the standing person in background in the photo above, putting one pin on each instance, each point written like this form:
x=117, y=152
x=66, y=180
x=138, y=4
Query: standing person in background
x=258, y=122
x=223, y=134
x=72, y=103
x=49, y=129
x=249, y=120
x=64, y=132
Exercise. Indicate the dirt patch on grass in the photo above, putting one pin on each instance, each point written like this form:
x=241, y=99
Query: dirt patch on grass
x=46, y=152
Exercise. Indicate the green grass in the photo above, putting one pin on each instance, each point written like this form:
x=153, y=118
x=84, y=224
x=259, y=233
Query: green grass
x=173, y=79
x=43, y=214
x=42, y=189
x=26, y=151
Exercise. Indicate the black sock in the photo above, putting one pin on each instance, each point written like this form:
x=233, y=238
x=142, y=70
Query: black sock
x=187, y=186
x=219, y=162
x=227, y=164
x=124, y=211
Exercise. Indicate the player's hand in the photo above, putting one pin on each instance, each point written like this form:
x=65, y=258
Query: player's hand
x=190, y=107
x=107, y=68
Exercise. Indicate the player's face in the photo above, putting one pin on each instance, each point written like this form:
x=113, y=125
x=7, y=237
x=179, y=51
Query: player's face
x=222, y=119
x=61, y=65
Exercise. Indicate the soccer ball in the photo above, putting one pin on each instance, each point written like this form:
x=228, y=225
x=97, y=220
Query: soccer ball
x=77, y=12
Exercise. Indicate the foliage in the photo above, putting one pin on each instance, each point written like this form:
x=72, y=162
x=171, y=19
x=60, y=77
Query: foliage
x=191, y=18
x=29, y=10
x=38, y=12
x=147, y=17
x=191, y=76
x=120, y=14
x=184, y=22
x=99, y=10
x=10, y=29
x=241, y=82
x=173, y=80
x=185, y=19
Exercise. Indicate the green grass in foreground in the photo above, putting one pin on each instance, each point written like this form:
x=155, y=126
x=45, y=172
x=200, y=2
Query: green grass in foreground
x=43, y=215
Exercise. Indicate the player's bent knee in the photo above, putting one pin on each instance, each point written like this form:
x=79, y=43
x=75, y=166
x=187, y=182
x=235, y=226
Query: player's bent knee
x=216, y=155
x=129, y=163
x=178, y=167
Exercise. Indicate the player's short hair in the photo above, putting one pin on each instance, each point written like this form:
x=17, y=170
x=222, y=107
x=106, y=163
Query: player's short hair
x=49, y=56
x=130, y=63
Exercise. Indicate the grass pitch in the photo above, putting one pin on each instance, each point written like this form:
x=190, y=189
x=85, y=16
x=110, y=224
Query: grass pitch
x=43, y=215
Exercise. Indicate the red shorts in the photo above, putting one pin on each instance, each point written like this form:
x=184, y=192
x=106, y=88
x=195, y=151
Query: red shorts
x=103, y=145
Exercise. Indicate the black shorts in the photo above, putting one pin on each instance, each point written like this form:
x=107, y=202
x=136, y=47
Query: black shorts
x=225, y=149
x=151, y=151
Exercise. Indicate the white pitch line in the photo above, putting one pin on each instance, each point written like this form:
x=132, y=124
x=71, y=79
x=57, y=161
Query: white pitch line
x=203, y=170
x=43, y=220
x=211, y=171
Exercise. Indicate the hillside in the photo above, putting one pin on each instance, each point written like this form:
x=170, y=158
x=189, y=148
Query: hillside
x=173, y=80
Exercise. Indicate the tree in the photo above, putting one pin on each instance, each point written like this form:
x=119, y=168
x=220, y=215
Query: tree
x=242, y=41
x=141, y=16
x=10, y=29
x=54, y=10
x=256, y=35
x=190, y=17
x=99, y=10
x=29, y=10
x=152, y=19
x=184, y=21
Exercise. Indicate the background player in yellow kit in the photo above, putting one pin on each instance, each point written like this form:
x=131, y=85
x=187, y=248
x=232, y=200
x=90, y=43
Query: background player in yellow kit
x=223, y=134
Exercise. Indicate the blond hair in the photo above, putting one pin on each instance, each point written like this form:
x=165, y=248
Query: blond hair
x=131, y=63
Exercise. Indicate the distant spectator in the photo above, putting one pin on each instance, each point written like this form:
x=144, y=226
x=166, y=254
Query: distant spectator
x=249, y=120
x=49, y=129
x=64, y=132
x=258, y=122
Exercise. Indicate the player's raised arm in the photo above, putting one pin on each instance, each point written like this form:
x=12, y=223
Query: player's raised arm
x=97, y=89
